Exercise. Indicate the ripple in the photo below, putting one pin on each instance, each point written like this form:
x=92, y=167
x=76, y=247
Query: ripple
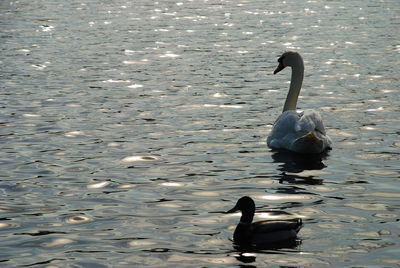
x=129, y=62
x=382, y=172
x=46, y=28
x=169, y=205
x=192, y=260
x=74, y=105
x=219, y=95
x=76, y=169
x=374, y=234
x=50, y=224
x=172, y=184
x=367, y=206
x=376, y=194
x=385, y=215
x=113, y=144
x=39, y=67
x=278, y=215
x=116, y=81
x=224, y=106
x=288, y=197
x=330, y=226
x=141, y=243
x=57, y=242
x=31, y=115
x=5, y=209
x=206, y=194
x=6, y=225
x=135, y=158
x=98, y=185
x=24, y=50
x=74, y=134
x=379, y=109
x=135, y=86
x=169, y=55
x=78, y=219
x=125, y=186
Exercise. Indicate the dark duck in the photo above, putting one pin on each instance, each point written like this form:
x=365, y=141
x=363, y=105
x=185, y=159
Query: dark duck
x=265, y=232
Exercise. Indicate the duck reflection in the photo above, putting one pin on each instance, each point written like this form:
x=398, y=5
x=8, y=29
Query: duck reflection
x=248, y=253
x=288, y=244
x=250, y=258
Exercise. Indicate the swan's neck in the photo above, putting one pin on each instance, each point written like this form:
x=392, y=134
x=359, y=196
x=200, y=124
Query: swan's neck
x=295, y=85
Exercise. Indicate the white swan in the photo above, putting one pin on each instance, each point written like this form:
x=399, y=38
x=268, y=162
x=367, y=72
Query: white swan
x=301, y=132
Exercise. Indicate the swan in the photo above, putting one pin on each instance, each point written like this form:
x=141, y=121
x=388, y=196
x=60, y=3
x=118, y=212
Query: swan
x=300, y=132
x=262, y=232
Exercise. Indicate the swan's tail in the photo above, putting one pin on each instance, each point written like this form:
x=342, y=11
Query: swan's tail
x=309, y=143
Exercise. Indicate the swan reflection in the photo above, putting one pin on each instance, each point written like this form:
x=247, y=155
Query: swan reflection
x=297, y=179
x=295, y=163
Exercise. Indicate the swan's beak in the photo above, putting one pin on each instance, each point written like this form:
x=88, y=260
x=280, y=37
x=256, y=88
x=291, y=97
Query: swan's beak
x=279, y=68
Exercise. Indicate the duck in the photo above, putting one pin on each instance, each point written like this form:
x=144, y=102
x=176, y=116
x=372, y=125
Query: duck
x=264, y=232
x=299, y=132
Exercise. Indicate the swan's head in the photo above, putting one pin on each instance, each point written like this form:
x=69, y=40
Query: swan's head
x=289, y=58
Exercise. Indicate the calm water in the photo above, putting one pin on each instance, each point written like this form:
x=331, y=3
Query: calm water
x=127, y=127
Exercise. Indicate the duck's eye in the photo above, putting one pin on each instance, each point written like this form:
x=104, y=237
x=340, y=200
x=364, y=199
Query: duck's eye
x=280, y=60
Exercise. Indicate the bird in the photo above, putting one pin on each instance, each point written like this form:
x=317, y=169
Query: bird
x=300, y=132
x=264, y=232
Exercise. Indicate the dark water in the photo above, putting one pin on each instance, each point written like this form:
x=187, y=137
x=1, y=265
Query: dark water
x=127, y=127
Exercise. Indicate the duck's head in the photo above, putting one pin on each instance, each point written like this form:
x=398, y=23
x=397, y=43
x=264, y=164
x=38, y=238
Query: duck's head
x=289, y=58
x=247, y=207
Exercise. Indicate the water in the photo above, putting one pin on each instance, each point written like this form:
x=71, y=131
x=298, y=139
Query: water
x=127, y=127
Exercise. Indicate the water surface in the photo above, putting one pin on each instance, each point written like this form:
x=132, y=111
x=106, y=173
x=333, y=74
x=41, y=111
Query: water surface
x=128, y=127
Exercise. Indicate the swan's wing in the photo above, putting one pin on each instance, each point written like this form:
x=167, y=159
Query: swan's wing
x=310, y=120
x=291, y=126
x=283, y=129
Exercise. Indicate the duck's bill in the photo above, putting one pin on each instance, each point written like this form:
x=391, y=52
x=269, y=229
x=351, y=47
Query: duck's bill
x=232, y=210
x=279, y=68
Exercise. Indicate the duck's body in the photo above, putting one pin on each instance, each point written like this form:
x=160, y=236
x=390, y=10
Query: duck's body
x=262, y=232
x=301, y=132
x=266, y=232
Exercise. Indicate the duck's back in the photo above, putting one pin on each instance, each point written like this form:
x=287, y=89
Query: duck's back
x=265, y=232
x=275, y=231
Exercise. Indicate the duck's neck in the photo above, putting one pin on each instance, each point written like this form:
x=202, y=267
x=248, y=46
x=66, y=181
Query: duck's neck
x=295, y=85
x=247, y=217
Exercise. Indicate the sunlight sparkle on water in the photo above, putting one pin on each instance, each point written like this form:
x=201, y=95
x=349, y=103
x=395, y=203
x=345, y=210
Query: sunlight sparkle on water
x=98, y=185
x=139, y=158
x=74, y=134
x=169, y=55
x=172, y=184
x=57, y=242
x=78, y=219
x=135, y=86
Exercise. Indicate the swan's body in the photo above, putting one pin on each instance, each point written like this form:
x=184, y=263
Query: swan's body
x=262, y=232
x=301, y=132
